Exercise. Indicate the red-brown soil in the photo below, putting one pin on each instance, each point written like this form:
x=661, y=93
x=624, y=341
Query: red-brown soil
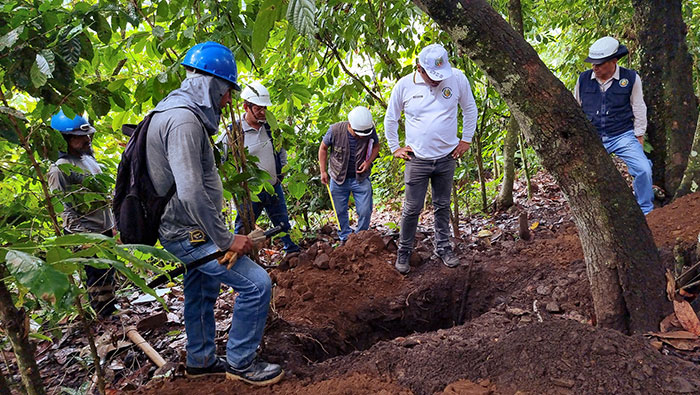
x=515, y=317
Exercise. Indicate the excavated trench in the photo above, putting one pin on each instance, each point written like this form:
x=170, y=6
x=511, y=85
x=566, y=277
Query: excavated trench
x=434, y=298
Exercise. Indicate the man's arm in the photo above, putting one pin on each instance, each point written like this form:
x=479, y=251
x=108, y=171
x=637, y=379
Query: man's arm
x=639, y=109
x=322, y=160
x=577, y=94
x=391, y=118
x=469, y=111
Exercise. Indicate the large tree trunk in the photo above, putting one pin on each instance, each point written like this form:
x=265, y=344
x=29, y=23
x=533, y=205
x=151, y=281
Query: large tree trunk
x=624, y=266
x=667, y=76
x=17, y=330
x=505, y=195
x=691, y=176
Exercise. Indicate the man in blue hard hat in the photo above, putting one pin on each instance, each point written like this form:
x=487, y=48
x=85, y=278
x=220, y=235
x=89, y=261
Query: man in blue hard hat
x=179, y=152
x=612, y=99
x=80, y=216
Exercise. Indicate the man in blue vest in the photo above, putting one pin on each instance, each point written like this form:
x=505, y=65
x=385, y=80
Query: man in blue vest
x=611, y=97
x=354, y=146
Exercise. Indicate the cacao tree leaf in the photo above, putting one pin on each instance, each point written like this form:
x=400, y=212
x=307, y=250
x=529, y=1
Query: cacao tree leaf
x=50, y=59
x=264, y=21
x=302, y=15
x=10, y=38
x=43, y=64
x=7, y=131
x=38, y=78
x=100, y=103
x=150, y=250
x=297, y=189
x=101, y=26
x=70, y=50
x=159, y=31
x=41, y=279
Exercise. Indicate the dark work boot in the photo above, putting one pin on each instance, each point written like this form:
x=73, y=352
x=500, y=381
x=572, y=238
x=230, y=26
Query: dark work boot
x=449, y=258
x=401, y=264
x=258, y=372
x=218, y=368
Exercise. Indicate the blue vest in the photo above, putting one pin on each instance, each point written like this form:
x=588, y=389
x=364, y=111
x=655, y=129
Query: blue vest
x=610, y=111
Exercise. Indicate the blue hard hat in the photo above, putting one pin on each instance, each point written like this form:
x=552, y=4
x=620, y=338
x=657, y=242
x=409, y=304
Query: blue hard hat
x=78, y=126
x=215, y=59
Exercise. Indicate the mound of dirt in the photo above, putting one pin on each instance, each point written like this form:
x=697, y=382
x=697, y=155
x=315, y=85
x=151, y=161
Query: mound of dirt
x=552, y=357
x=678, y=220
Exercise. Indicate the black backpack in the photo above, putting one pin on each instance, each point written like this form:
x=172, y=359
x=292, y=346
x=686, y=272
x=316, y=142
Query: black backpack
x=137, y=207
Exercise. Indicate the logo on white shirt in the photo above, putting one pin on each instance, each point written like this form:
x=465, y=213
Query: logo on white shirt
x=446, y=92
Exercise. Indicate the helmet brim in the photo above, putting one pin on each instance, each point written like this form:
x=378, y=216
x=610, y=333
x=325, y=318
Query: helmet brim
x=621, y=52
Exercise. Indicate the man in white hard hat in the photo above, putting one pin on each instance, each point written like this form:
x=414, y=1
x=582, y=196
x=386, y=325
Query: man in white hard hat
x=260, y=143
x=429, y=98
x=354, y=146
x=611, y=97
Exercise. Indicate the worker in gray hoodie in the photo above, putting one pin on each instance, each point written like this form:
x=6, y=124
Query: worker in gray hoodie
x=179, y=152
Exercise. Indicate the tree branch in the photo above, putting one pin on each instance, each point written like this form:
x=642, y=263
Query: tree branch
x=349, y=73
x=42, y=180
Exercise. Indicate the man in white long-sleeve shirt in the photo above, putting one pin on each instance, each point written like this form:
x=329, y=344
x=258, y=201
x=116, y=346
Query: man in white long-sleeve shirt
x=429, y=98
x=611, y=97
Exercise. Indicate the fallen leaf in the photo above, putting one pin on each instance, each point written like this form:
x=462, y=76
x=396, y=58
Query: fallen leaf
x=534, y=225
x=675, y=335
x=484, y=233
x=669, y=322
x=670, y=285
x=682, y=344
x=686, y=316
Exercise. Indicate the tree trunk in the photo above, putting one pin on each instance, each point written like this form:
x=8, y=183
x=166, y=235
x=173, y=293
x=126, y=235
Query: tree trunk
x=667, y=75
x=505, y=196
x=691, y=176
x=17, y=329
x=623, y=264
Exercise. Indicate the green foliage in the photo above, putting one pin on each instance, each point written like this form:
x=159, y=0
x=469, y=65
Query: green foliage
x=114, y=61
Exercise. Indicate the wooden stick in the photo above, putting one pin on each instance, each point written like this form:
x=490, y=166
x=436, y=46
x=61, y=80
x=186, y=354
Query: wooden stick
x=256, y=236
x=141, y=343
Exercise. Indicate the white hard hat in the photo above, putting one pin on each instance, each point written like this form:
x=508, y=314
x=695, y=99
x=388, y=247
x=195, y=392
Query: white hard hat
x=361, y=121
x=604, y=49
x=257, y=94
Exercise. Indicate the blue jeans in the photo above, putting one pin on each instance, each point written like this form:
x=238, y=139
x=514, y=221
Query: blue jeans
x=362, y=192
x=440, y=174
x=276, y=210
x=201, y=290
x=627, y=147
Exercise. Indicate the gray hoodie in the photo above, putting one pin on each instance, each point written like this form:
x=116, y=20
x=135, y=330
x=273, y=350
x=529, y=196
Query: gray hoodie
x=179, y=151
